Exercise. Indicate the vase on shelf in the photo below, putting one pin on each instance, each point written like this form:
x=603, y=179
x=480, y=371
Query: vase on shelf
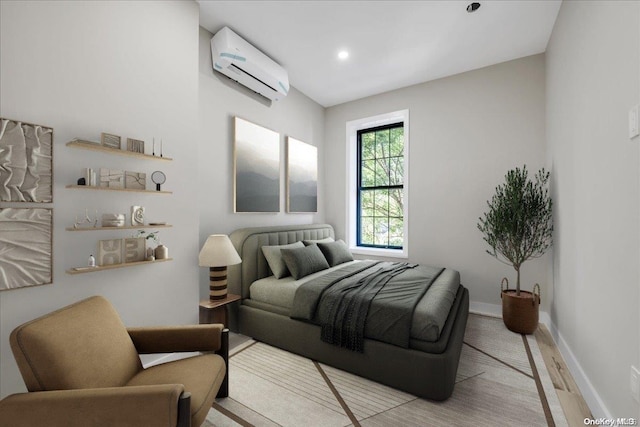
x=161, y=252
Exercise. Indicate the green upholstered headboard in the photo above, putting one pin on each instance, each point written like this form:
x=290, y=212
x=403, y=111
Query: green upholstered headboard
x=249, y=241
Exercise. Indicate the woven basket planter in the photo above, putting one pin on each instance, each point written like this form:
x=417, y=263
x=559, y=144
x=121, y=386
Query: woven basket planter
x=520, y=313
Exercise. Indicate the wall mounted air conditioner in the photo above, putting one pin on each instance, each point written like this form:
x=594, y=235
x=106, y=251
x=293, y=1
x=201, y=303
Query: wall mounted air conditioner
x=238, y=60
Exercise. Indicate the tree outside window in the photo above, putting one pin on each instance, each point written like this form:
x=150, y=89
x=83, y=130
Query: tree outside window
x=380, y=187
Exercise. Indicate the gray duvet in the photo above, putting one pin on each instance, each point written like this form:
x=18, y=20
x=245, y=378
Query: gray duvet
x=371, y=298
x=428, y=317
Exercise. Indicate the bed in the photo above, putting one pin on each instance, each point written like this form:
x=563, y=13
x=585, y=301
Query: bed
x=425, y=369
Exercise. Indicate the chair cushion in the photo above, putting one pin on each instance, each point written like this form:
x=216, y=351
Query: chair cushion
x=200, y=375
x=83, y=345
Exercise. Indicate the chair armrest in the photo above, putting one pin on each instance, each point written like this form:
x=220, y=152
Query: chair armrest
x=170, y=339
x=115, y=406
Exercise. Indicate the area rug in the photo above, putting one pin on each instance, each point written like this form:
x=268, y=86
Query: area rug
x=501, y=380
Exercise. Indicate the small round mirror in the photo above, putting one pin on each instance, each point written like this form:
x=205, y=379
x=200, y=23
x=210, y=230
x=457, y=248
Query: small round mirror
x=158, y=179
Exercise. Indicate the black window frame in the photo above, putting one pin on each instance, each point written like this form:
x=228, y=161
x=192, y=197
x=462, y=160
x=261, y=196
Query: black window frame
x=359, y=186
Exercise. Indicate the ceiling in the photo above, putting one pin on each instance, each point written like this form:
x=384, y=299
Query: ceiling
x=391, y=44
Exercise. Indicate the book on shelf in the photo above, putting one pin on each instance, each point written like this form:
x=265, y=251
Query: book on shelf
x=90, y=177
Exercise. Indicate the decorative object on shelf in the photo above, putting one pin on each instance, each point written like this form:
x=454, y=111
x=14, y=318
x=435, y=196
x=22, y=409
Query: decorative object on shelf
x=92, y=261
x=519, y=227
x=302, y=177
x=26, y=250
x=82, y=181
x=158, y=179
x=135, y=145
x=111, y=178
x=26, y=152
x=109, y=140
x=84, y=142
x=152, y=235
x=161, y=252
x=109, y=252
x=135, y=180
x=161, y=147
x=137, y=215
x=134, y=249
x=153, y=150
x=150, y=254
x=218, y=253
x=257, y=168
x=90, y=177
x=86, y=220
x=113, y=220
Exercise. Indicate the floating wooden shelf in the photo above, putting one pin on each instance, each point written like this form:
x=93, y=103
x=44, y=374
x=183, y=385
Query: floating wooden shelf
x=125, y=227
x=95, y=146
x=131, y=190
x=82, y=270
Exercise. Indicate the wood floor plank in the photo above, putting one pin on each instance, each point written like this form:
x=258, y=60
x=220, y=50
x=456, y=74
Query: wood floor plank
x=573, y=404
x=574, y=408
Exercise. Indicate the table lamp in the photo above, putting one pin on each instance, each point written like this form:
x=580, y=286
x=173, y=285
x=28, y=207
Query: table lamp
x=217, y=253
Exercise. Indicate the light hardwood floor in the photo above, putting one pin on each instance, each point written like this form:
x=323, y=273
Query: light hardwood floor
x=493, y=360
x=573, y=404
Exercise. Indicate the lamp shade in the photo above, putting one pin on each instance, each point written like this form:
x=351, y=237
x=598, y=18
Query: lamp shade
x=218, y=251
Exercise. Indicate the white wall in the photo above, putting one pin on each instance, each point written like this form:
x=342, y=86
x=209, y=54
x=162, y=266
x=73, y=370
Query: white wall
x=593, y=64
x=129, y=68
x=465, y=132
x=220, y=100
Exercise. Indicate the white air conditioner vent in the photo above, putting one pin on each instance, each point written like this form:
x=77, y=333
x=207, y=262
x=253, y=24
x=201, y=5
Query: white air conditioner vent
x=237, y=59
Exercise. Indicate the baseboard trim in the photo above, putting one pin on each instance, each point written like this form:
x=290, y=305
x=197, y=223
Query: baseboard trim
x=495, y=310
x=484, y=309
x=589, y=393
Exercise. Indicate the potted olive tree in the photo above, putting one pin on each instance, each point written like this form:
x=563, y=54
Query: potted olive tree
x=518, y=226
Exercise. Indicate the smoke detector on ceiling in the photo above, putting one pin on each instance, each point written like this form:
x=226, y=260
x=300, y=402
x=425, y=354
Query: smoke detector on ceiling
x=472, y=7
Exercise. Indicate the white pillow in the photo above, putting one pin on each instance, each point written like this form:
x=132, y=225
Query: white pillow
x=275, y=261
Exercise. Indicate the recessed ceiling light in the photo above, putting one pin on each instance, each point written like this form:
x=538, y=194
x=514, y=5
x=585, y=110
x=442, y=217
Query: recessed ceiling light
x=343, y=54
x=473, y=7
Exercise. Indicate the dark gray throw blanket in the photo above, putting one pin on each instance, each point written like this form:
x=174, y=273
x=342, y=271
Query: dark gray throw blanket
x=376, y=298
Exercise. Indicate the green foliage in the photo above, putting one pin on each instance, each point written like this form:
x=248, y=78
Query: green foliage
x=153, y=235
x=381, y=215
x=518, y=225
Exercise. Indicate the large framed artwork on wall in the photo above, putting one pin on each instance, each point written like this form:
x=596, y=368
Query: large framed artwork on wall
x=26, y=158
x=256, y=168
x=25, y=247
x=302, y=177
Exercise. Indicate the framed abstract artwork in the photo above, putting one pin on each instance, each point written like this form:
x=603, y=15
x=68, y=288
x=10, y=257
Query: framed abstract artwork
x=25, y=249
x=302, y=177
x=134, y=249
x=26, y=153
x=256, y=168
x=109, y=252
x=110, y=140
x=111, y=178
x=135, y=180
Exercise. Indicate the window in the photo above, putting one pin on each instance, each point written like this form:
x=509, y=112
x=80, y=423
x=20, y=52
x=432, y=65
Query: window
x=380, y=212
x=378, y=185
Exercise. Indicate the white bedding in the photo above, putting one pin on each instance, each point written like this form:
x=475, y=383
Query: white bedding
x=428, y=318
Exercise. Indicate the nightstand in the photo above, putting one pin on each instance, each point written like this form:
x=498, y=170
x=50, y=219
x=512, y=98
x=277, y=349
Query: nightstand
x=216, y=311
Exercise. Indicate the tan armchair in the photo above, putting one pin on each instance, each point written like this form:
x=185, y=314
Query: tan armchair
x=81, y=367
